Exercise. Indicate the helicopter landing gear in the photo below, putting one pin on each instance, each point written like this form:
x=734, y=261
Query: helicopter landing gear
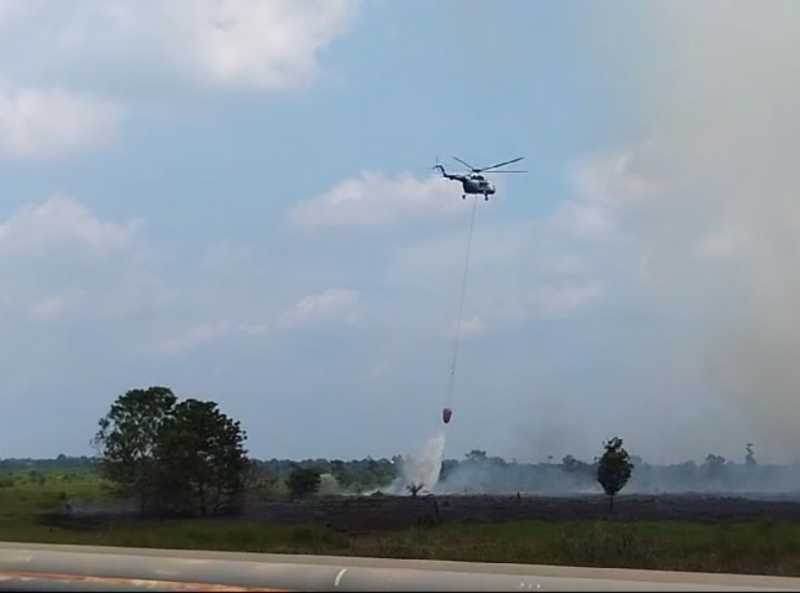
x=485, y=197
x=463, y=196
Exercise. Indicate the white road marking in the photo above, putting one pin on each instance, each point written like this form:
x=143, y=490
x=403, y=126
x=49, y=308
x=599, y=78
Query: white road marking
x=339, y=576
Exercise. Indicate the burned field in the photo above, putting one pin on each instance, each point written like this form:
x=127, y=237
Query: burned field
x=367, y=514
x=666, y=532
x=360, y=515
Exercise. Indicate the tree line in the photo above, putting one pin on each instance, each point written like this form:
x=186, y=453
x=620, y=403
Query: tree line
x=478, y=472
x=188, y=458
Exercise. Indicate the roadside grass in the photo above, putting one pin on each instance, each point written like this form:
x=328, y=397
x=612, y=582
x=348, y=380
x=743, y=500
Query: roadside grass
x=756, y=547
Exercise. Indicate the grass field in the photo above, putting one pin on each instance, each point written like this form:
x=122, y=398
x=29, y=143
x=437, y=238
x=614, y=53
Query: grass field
x=756, y=546
x=25, y=493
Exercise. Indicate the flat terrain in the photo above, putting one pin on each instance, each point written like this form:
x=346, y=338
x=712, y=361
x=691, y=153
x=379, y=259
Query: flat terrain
x=669, y=532
x=366, y=514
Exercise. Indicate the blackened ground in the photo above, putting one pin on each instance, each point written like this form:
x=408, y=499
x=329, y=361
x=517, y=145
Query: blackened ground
x=366, y=514
x=374, y=513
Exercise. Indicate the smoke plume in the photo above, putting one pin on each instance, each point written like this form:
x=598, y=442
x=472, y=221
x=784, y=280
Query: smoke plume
x=422, y=468
x=695, y=232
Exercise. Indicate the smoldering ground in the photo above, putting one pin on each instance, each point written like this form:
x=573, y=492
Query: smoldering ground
x=493, y=475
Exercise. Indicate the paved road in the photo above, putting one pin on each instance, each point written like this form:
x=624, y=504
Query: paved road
x=40, y=567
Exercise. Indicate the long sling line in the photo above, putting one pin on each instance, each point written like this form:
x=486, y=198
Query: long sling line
x=457, y=337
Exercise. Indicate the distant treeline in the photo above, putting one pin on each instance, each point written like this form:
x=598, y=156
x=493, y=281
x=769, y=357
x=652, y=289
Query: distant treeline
x=355, y=476
x=479, y=473
x=62, y=462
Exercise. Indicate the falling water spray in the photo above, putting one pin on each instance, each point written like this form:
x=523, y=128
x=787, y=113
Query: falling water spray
x=422, y=468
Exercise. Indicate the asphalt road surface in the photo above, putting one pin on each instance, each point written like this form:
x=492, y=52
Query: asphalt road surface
x=43, y=567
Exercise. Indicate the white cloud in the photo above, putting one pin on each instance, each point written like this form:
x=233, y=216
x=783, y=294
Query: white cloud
x=50, y=308
x=208, y=332
x=10, y=9
x=430, y=260
x=226, y=254
x=375, y=199
x=271, y=45
x=197, y=336
x=60, y=221
x=604, y=183
x=609, y=177
x=720, y=243
x=37, y=123
x=559, y=300
x=586, y=220
x=333, y=304
x=379, y=370
x=266, y=45
x=59, y=260
x=521, y=270
x=472, y=327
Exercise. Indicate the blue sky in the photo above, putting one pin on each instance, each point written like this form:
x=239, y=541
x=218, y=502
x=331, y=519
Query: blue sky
x=235, y=199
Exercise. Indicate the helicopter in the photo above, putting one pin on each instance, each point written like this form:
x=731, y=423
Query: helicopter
x=474, y=182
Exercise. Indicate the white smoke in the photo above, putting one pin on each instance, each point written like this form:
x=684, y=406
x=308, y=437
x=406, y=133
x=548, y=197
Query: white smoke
x=422, y=468
x=720, y=228
x=694, y=233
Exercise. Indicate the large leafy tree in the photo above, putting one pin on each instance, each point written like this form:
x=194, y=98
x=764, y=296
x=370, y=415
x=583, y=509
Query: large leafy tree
x=614, y=469
x=128, y=439
x=202, y=460
x=185, y=457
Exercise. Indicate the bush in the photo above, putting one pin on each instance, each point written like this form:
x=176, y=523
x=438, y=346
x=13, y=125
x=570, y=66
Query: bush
x=303, y=482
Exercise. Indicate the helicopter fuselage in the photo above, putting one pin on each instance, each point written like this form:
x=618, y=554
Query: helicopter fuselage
x=473, y=183
x=477, y=184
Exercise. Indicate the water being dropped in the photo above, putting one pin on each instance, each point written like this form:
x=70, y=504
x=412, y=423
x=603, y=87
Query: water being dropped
x=423, y=468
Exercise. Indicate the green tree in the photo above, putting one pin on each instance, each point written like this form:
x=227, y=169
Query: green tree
x=476, y=456
x=128, y=438
x=185, y=457
x=614, y=469
x=303, y=482
x=570, y=464
x=202, y=463
x=714, y=466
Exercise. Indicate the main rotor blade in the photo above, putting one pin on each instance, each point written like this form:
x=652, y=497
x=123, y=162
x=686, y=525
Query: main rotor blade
x=466, y=164
x=495, y=172
x=503, y=164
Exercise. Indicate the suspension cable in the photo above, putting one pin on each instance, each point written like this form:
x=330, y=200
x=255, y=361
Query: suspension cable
x=458, y=329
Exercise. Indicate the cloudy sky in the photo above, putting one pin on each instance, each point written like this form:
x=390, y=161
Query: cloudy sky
x=234, y=199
